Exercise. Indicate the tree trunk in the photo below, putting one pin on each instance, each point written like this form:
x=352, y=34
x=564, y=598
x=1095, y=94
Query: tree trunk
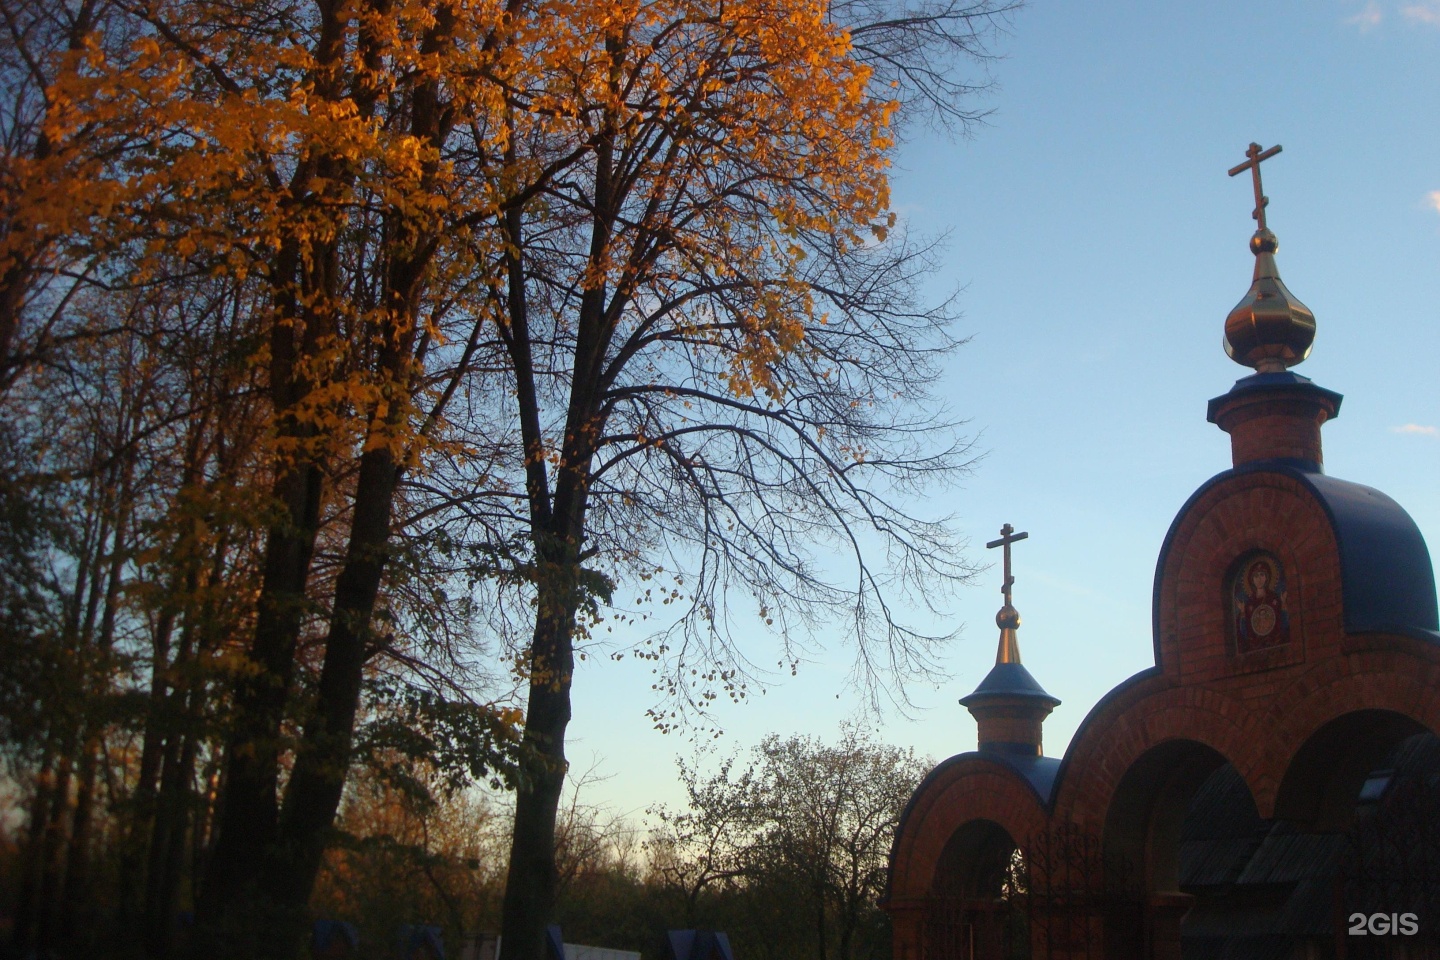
x=558, y=527
x=163, y=873
x=202, y=832
x=147, y=784
x=265, y=860
x=52, y=859
x=156, y=919
x=530, y=885
x=176, y=808
x=75, y=897
x=28, y=903
x=323, y=758
x=134, y=879
x=13, y=287
x=236, y=910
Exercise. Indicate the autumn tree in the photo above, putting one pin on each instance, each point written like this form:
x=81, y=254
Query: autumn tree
x=53, y=182
x=576, y=294
x=803, y=826
x=91, y=399
x=298, y=153
x=136, y=443
x=832, y=816
x=706, y=847
x=60, y=702
x=413, y=851
x=712, y=361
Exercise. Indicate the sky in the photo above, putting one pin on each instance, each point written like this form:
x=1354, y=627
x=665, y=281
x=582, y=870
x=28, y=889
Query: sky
x=1099, y=245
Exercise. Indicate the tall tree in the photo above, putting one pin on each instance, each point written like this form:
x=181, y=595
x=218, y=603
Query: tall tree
x=713, y=361
x=643, y=248
x=305, y=149
x=136, y=441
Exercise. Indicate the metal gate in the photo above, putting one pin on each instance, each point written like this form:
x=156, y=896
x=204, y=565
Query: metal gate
x=1060, y=899
x=1388, y=891
x=1081, y=904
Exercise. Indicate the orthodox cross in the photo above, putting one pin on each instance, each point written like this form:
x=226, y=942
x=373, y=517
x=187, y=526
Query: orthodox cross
x=1007, y=537
x=1253, y=165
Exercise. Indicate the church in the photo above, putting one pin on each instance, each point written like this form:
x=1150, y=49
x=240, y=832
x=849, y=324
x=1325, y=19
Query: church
x=1270, y=788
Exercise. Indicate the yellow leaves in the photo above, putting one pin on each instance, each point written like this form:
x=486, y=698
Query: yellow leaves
x=881, y=231
x=746, y=128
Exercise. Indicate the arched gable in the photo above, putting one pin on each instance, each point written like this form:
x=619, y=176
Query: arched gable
x=962, y=789
x=1149, y=713
x=1355, y=561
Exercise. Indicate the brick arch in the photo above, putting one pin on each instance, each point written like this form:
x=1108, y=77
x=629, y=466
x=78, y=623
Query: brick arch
x=1145, y=819
x=974, y=860
x=1112, y=740
x=970, y=789
x=1383, y=681
x=1257, y=510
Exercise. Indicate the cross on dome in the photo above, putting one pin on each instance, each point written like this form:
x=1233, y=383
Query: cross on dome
x=1007, y=537
x=1269, y=330
x=1253, y=165
x=1008, y=619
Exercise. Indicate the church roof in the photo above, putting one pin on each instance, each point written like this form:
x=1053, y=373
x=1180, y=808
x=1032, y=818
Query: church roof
x=1008, y=680
x=1386, y=579
x=1038, y=772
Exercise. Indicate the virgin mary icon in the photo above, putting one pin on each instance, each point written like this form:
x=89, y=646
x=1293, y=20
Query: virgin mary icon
x=1261, y=619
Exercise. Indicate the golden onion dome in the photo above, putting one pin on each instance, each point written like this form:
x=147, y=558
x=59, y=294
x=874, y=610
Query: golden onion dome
x=1269, y=329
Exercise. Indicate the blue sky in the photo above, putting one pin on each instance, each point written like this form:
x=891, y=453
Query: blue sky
x=1100, y=244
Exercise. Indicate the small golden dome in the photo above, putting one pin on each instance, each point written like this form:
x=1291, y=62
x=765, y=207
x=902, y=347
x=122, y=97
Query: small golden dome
x=1008, y=618
x=1269, y=329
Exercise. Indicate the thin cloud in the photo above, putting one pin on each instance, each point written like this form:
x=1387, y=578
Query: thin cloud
x=1428, y=13
x=1433, y=198
x=1418, y=430
x=1368, y=18
x=1373, y=14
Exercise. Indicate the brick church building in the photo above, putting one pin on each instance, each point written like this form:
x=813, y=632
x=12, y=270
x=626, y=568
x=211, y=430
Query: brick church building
x=1270, y=788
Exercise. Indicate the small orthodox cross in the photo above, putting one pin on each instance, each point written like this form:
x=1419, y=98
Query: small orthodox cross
x=1253, y=165
x=1007, y=537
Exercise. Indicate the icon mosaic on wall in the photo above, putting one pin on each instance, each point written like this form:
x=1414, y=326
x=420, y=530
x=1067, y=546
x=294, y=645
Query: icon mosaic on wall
x=1259, y=616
